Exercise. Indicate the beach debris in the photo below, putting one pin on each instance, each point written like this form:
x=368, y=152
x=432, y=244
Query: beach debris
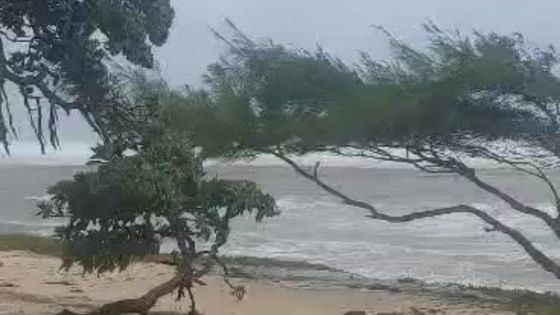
x=8, y=285
x=355, y=313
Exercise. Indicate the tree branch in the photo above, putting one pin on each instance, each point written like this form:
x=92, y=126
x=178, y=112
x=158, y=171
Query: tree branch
x=4, y=95
x=381, y=154
x=438, y=164
x=538, y=172
x=140, y=305
x=38, y=82
x=238, y=291
x=539, y=257
x=465, y=172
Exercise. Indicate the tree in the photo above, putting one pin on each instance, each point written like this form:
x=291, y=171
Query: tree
x=480, y=96
x=56, y=54
x=129, y=203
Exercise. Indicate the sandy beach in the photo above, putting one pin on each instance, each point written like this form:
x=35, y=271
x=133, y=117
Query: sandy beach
x=33, y=284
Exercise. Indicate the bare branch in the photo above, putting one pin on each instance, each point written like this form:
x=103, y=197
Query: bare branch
x=515, y=204
x=238, y=291
x=452, y=165
x=38, y=81
x=539, y=257
x=378, y=153
x=192, y=299
x=316, y=169
x=39, y=111
x=3, y=128
x=38, y=133
x=518, y=165
x=461, y=169
x=52, y=123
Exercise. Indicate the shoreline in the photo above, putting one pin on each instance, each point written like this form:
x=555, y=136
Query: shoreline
x=288, y=277
x=310, y=276
x=33, y=284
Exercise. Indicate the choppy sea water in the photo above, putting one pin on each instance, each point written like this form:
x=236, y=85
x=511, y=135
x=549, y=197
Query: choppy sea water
x=316, y=227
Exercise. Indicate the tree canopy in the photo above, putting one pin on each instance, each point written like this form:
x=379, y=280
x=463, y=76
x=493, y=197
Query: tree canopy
x=148, y=185
x=484, y=87
x=56, y=53
x=426, y=108
x=484, y=95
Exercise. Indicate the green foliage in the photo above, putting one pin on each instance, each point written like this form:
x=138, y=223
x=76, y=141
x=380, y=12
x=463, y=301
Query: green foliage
x=132, y=200
x=426, y=108
x=263, y=96
x=58, y=51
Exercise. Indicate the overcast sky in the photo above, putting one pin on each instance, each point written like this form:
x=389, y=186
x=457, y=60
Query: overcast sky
x=341, y=27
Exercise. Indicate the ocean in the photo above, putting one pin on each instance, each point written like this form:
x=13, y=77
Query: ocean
x=318, y=228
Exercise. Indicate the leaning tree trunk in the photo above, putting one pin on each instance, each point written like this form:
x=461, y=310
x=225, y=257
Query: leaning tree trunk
x=140, y=305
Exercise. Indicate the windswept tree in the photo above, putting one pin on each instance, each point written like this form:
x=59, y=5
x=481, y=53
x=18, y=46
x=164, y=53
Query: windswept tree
x=129, y=203
x=56, y=54
x=484, y=96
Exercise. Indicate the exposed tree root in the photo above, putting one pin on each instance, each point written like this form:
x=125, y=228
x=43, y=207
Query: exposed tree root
x=140, y=305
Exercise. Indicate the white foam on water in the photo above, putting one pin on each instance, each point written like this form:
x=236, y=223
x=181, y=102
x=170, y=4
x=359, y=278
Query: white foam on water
x=332, y=160
x=78, y=153
x=504, y=148
x=445, y=249
x=453, y=248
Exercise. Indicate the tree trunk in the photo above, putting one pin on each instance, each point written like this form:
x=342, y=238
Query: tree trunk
x=140, y=305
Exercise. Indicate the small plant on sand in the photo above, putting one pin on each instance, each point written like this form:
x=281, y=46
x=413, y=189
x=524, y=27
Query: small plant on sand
x=124, y=207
